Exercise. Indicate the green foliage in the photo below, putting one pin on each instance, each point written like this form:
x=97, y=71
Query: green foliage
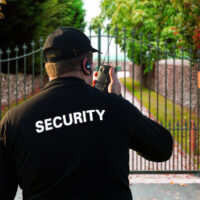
x=62, y=13
x=27, y=20
x=175, y=22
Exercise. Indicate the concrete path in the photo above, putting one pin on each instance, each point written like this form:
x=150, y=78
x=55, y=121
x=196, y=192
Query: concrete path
x=165, y=192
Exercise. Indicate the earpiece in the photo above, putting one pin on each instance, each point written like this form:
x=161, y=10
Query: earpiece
x=87, y=66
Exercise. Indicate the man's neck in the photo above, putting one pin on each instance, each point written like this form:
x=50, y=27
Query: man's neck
x=70, y=74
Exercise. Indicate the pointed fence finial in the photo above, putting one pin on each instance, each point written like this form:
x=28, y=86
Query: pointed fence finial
x=24, y=47
x=16, y=51
x=108, y=27
x=32, y=43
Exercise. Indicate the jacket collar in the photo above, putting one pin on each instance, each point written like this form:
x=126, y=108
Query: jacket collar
x=63, y=81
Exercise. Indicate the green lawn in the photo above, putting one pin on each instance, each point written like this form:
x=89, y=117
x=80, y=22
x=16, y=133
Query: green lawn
x=12, y=105
x=170, y=118
x=4, y=109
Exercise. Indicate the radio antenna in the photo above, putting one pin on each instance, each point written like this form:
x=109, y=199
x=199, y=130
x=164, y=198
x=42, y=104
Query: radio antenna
x=107, y=51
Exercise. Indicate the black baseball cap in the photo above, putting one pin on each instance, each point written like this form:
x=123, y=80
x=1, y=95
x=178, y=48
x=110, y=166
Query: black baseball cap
x=65, y=43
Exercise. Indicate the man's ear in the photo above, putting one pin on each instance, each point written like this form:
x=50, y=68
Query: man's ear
x=85, y=66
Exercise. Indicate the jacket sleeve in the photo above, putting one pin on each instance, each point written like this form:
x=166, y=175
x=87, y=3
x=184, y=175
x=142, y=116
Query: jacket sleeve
x=8, y=180
x=148, y=138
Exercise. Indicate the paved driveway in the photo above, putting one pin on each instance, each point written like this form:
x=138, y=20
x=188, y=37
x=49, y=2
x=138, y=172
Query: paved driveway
x=165, y=191
x=159, y=191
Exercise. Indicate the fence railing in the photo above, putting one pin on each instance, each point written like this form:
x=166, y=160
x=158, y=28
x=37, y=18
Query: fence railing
x=161, y=82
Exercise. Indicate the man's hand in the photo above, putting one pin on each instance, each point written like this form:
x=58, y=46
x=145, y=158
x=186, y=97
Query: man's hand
x=114, y=86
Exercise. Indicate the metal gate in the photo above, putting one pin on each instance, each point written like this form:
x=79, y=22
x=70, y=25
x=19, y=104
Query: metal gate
x=162, y=84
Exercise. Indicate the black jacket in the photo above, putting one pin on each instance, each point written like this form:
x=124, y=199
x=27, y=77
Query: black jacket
x=71, y=142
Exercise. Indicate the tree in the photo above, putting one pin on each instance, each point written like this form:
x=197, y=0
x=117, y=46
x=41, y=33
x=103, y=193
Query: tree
x=62, y=13
x=189, y=22
x=172, y=21
x=27, y=20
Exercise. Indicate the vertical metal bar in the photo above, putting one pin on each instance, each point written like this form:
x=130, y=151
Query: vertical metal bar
x=174, y=55
x=198, y=113
x=133, y=66
x=141, y=80
x=141, y=72
x=1, y=53
x=16, y=71
x=90, y=35
x=99, y=46
x=161, y=164
x=116, y=51
x=133, y=78
x=166, y=77
x=124, y=30
x=90, y=31
x=149, y=75
x=41, y=64
x=108, y=43
x=24, y=47
x=33, y=67
x=156, y=94
x=186, y=136
x=8, y=67
x=149, y=82
x=157, y=65
x=182, y=73
x=177, y=139
x=166, y=72
x=190, y=109
x=169, y=128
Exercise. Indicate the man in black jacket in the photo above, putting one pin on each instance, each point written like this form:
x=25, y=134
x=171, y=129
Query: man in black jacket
x=71, y=141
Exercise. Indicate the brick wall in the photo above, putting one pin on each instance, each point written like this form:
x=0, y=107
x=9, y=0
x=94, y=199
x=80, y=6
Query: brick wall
x=113, y=63
x=136, y=71
x=137, y=76
x=172, y=72
x=18, y=85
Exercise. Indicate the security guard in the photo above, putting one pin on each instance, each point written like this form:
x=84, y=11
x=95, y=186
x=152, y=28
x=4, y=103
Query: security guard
x=71, y=141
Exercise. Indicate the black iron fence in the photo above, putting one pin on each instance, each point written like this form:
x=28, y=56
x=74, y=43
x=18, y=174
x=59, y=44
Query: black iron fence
x=161, y=82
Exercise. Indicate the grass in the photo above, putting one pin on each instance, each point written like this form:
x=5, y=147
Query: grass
x=171, y=118
x=4, y=109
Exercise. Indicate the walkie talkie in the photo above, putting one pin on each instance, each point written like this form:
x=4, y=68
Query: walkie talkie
x=103, y=78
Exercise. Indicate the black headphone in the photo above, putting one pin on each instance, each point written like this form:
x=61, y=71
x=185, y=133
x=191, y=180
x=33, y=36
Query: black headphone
x=88, y=67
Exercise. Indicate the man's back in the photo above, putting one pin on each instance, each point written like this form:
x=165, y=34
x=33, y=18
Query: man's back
x=67, y=145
